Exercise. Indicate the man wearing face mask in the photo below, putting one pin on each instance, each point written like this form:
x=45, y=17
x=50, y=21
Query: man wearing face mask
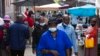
x=54, y=42
x=37, y=32
x=92, y=33
x=69, y=30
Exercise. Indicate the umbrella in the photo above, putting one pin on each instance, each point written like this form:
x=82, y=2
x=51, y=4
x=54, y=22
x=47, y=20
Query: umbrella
x=53, y=6
x=86, y=10
x=32, y=2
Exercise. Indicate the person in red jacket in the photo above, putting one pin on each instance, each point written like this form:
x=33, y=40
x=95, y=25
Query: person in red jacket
x=92, y=33
x=30, y=22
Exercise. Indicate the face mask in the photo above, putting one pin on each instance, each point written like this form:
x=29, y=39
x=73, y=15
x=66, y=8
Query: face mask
x=53, y=29
x=42, y=24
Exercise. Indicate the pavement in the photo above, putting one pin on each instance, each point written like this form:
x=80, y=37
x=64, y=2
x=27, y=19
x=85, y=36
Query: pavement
x=28, y=51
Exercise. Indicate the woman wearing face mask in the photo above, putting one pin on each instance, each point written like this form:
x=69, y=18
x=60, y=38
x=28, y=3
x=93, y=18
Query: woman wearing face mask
x=37, y=32
x=92, y=33
x=54, y=42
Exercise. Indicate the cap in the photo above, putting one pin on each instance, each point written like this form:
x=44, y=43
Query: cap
x=6, y=17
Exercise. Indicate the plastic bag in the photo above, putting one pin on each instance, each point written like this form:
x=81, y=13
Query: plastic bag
x=89, y=42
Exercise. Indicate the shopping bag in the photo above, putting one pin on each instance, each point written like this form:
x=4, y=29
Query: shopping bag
x=89, y=42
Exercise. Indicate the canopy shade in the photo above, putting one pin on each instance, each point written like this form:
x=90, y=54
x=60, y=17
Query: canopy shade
x=86, y=10
x=32, y=2
x=53, y=6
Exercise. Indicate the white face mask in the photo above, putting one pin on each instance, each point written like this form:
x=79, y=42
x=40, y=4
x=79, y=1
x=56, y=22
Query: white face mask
x=42, y=24
x=53, y=29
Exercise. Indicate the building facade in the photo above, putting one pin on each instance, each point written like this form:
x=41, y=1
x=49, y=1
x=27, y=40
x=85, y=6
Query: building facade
x=2, y=8
x=9, y=8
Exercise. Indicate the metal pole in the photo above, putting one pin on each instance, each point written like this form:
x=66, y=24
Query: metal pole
x=77, y=1
x=34, y=9
x=98, y=36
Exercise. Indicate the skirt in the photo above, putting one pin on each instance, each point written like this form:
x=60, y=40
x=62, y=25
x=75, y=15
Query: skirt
x=91, y=51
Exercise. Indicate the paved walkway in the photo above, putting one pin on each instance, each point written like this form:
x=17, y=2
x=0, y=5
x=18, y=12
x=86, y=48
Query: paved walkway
x=28, y=51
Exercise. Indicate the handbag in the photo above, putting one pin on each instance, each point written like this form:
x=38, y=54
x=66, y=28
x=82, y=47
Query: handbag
x=89, y=42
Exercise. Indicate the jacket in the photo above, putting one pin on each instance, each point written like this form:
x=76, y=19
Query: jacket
x=36, y=34
x=17, y=35
x=1, y=33
x=30, y=21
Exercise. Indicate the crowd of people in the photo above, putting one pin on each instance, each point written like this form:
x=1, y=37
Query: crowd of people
x=55, y=36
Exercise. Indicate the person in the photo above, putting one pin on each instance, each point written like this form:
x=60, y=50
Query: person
x=92, y=33
x=7, y=23
x=54, y=42
x=74, y=20
x=69, y=30
x=43, y=15
x=79, y=31
x=37, y=32
x=17, y=35
x=26, y=12
x=30, y=22
x=1, y=34
x=59, y=18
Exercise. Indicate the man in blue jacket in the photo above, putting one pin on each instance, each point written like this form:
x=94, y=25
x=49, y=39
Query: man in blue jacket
x=54, y=42
x=69, y=30
x=17, y=35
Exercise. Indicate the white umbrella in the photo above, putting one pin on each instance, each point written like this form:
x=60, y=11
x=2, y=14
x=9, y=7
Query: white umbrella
x=53, y=6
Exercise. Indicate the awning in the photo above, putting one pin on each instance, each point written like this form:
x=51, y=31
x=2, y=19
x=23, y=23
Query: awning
x=53, y=6
x=33, y=2
x=86, y=10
